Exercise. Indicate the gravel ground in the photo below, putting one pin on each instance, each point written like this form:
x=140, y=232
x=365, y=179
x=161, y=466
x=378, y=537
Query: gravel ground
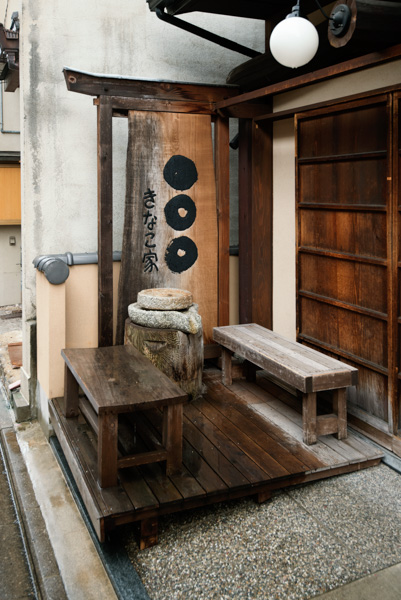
x=302, y=543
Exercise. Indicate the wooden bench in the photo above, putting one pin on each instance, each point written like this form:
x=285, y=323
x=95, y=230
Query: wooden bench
x=296, y=365
x=116, y=380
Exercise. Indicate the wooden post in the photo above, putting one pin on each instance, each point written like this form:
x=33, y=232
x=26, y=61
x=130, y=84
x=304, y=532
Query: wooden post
x=105, y=222
x=149, y=535
x=255, y=223
x=245, y=220
x=222, y=158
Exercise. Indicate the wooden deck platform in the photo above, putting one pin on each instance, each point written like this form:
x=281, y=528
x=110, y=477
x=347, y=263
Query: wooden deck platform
x=239, y=441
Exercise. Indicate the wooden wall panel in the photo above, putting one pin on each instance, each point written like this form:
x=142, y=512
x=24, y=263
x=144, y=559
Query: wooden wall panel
x=356, y=284
x=371, y=386
x=358, y=233
x=355, y=182
x=349, y=332
x=345, y=131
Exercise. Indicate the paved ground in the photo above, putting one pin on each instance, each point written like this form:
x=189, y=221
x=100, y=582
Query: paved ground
x=15, y=582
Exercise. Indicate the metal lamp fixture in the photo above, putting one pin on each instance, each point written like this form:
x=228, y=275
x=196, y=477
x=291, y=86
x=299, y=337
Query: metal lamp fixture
x=294, y=41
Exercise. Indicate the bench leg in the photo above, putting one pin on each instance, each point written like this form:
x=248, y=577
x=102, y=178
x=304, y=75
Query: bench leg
x=250, y=371
x=226, y=372
x=340, y=409
x=309, y=418
x=71, y=394
x=107, y=449
x=149, y=535
x=172, y=437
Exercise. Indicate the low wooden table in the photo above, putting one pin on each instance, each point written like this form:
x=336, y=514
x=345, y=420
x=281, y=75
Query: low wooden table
x=115, y=380
x=297, y=365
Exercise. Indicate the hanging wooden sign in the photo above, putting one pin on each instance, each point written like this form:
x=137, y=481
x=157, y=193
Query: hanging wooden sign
x=170, y=228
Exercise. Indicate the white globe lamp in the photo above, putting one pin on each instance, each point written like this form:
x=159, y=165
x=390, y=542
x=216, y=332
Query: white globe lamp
x=294, y=41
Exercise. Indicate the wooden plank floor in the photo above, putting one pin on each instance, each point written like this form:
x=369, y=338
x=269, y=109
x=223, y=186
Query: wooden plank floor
x=238, y=441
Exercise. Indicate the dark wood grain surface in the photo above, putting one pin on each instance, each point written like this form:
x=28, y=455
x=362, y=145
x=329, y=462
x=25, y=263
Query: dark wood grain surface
x=238, y=442
x=120, y=379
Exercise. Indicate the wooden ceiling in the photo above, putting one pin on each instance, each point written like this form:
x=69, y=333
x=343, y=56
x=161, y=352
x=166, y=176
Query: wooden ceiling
x=375, y=26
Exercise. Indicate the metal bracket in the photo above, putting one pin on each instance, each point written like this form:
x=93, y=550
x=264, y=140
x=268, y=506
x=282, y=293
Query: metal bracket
x=206, y=35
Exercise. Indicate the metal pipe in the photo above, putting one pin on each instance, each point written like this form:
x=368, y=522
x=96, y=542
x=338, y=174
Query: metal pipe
x=56, y=266
x=206, y=35
x=1, y=113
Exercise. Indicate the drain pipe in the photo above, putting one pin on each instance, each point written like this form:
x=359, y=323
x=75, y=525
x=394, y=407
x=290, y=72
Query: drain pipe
x=2, y=130
x=56, y=266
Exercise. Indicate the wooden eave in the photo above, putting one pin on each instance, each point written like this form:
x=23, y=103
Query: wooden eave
x=126, y=93
x=94, y=84
x=350, y=66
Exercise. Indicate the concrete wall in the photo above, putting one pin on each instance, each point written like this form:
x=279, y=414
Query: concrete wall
x=59, y=136
x=284, y=226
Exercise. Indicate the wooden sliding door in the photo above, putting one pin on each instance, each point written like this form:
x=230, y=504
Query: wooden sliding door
x=347, y=250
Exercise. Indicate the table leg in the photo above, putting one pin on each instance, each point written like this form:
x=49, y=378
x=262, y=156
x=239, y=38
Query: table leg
x=172, y=437
x=340, y=409
x=107, y=449
x=309, y=418
x=71, y=394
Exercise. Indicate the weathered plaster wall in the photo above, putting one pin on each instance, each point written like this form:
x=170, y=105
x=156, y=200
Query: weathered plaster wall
x=59, y=127
x=284, y=283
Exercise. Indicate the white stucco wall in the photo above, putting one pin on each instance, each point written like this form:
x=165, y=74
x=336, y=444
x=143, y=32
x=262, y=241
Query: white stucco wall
x=59, y=127
x=284, y=227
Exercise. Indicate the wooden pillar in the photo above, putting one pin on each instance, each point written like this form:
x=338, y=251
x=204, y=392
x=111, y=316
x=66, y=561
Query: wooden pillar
x=105, y=222
x=255, y=222
x=222, y=160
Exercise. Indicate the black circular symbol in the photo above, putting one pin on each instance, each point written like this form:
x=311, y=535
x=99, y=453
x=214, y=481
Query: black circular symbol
x=181, y=254
x=180, y=212
x=180, y=172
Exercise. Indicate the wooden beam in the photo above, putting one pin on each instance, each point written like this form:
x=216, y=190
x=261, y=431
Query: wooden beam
x=105, y=223
x=349, y=66
x=99, y=85
x=156, y=105
x=290, y=112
